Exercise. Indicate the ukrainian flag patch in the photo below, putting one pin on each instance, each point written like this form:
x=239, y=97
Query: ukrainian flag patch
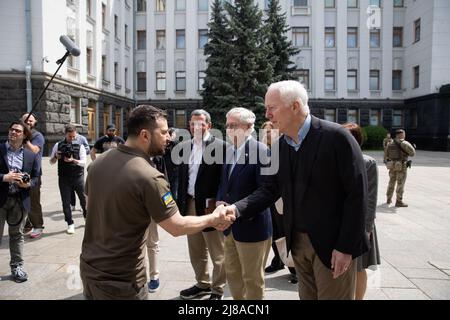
x=167, y=198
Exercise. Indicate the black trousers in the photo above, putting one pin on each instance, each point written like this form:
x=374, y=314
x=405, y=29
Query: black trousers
x=66, y=185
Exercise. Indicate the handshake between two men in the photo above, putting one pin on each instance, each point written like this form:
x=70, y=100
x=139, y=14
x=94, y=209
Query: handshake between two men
x=224, y=215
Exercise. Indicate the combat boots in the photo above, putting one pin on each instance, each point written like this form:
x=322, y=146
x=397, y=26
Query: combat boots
x=400, y=204
x=389, y=201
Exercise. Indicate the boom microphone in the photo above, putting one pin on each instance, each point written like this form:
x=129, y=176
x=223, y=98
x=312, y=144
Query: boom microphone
x=70, y=46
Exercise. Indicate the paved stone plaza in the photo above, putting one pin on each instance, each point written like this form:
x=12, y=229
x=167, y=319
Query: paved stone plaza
x=414, y=245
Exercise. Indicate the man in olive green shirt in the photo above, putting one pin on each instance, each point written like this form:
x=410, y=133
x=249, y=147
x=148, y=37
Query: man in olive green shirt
x=125, y=193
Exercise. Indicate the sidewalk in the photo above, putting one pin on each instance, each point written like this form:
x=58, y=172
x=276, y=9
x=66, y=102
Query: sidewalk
x=414, y=245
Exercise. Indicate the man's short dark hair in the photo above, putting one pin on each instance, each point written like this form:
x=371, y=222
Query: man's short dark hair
x=201, y=112
x=70, y=128
x=26, y=130
x=144, y=117
x=399, y=131
x=356, y=131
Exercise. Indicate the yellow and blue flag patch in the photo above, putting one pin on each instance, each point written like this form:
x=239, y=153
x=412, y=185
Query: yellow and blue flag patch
x=167, y=198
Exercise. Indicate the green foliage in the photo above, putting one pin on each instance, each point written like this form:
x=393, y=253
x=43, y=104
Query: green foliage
x=373, y=137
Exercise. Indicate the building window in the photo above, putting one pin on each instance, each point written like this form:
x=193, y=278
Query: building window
x=375, y=3
x=202, y=38
x=75, y=110
x=106, y=116
x=126, y=34
x=330, y=80
x=141, y=81
x=141, y=39
x=180, y=119
x=104, y=77
x=352, y=79
x=180, y=81
x=300, y=36
x=92, y=121
x=116, y=73
x=416, y=71
x=303, y=77
x=330, y=115
x=330, y=37
x=398, y=4
x=116, y=26
x=180, y=5
x=141, y=5
x=375, y=36
x=160, y=81
x=180, y=39
x=352, y=3
x=201, y=80
x=417, y=30
x=202, y=5
x=353, y=116
x=374, y=80
x=329, y=4
x=397, y=80
x=118, y=121
x=397, y=118
x=89, y=8
x=89, y=60
x=398, y=37
x=300, y=3
x=375, y=117
x=104, y=16
x=160, y=5
x=352, y=37
x=160, y=39
x=413, y=118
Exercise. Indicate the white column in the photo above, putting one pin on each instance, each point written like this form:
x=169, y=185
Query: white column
x=318, y=45
x=81, y=17
x=151, y=47
x=191, y=56
x=341, y=48
x=170, y=49
x=387, y=28
x=364, y=65
x=112, y=43
x=97, y=52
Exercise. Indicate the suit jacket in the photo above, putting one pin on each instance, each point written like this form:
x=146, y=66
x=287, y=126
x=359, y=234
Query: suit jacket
x=31, y=165
x=331, y=195
x=246, y=178
x=208, y=177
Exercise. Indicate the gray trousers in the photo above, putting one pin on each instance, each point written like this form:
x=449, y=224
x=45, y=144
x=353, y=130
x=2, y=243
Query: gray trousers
x=12, y=210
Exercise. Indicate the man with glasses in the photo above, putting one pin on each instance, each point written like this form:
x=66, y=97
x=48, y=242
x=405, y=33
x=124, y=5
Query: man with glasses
x=19, y=171
x=108, y=141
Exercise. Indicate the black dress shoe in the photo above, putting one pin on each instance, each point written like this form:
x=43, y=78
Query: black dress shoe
x=272, y=269
x=293, y=279
x=193, y=292
x=215, y=296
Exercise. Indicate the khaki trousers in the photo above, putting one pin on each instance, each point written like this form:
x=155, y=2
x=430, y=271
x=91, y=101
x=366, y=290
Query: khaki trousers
x=315, y=279
x=245, y=262
x=199, y=245
x=152, y=250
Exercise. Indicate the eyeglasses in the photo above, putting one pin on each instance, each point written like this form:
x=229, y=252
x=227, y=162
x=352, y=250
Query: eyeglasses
x=15, y=130
x=232, y=126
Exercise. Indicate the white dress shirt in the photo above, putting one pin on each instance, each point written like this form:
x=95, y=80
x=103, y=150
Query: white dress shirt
x=195, y=160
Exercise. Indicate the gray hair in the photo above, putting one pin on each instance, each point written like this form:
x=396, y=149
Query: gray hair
x=246, y=116
x=290, y=92
x=201, y=112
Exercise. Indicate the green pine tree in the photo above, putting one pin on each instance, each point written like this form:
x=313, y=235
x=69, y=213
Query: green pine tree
x=218, y=94
x=250, y=66
x=282, y=47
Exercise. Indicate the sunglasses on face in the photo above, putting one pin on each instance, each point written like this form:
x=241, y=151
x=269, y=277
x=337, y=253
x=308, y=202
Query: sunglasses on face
x=15, y=130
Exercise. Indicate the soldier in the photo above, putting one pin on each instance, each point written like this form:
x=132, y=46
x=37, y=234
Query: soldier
x=397, y=153
x=386, y=141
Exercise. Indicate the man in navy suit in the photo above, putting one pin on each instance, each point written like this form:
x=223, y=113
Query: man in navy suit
x=323, y=183
x=15, y=204
x=247, y=241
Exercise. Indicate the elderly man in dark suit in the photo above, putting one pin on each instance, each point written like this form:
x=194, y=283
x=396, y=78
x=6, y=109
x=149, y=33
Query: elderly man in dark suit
x=323, y=183
x=247, y=241
x=199, y=178
x=19, y=171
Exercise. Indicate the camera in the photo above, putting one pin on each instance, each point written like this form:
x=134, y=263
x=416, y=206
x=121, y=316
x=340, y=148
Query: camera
x=67, y=151
x=26, y=178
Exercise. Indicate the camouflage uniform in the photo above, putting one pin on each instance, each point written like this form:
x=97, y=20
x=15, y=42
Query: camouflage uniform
x=386, y=141
x=398, y=172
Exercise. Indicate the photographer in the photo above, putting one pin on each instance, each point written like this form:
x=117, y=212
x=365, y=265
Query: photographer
x=71, y=158
x=19, y=171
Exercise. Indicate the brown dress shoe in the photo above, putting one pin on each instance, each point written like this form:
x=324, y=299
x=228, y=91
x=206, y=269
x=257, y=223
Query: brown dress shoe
x=389, y=201
x=401, y=204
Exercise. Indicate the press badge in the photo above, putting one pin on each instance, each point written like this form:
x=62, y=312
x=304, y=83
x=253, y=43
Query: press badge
x=167, y=198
